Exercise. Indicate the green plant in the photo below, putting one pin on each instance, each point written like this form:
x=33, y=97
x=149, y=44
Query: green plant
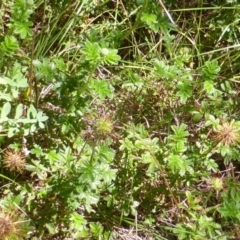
x=119, y=119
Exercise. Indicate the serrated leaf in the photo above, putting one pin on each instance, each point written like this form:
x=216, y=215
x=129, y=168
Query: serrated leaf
x=60, y=64
x=126, y=144
x=91, y=52
x=109, y=56
x=45, y=69
x=166, y=71
x=184, y=92
x=37, y=150
x=211, y=69
x=102, y=88
x=77, y=220
x=23, y=28
x=9, y=45
x=175, y=162
x=180, y=132
x=180, y=147
x=149, y=18
x=209, y=87
x=156, y=22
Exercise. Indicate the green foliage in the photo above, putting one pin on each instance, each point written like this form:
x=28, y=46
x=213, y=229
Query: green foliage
x=211, y=69
x=45, y=69
x=20, y=23
x=124, y=116
x=157, y=22
x=230, y=206
x=102, y=88
x=198, y=225
x=99, y=56
x=9, y=45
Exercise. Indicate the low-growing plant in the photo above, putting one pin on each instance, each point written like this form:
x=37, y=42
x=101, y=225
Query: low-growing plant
x=119, y=119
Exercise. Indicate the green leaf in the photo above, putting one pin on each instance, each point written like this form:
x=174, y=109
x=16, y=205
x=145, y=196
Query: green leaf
x=77, y=221
x=230, y=210
x=211, y=165
x=31, y=168
x=9, y=45
x=26, y=120
x=60, y=64
x=211, y=69
x=19, y=111
x=96, y=229
x=180, y=147
x=40, y=117
x=166, y=71
x=22, y=82
x=164, y=24
x=12, y=132
x=23, y=28
x=209, y=87
x=31, y=111
x=107, y=174
x=37, y=150
x=149, y=18
x=156, y=22
x=15, y=93
x=102, y=88
x=185, y=91
x=175, y=162
x=51, y=228
x=6, y=96
x=89, y=172
x=133, y=81
x=90, y=199
x=181, y=231
x=126, y=144
x=91, y=51
x=5, y=110
x=109, y=56
x=211, y=120
x=41, y=125
x=45, y=69
x=6, y=80
x=180, y=132
x=33, y=128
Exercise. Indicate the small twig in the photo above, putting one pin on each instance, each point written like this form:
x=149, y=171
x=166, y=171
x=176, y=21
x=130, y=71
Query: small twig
x=166, y=11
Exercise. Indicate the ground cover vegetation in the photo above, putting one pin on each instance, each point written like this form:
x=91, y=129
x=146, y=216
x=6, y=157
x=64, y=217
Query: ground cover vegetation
x=119, y=119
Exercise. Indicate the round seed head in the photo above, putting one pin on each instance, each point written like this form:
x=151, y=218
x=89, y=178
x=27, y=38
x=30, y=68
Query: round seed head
x=227, y=133
x=217, y=184
x=9, y=227
x=104, y=126
x=14, y=161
